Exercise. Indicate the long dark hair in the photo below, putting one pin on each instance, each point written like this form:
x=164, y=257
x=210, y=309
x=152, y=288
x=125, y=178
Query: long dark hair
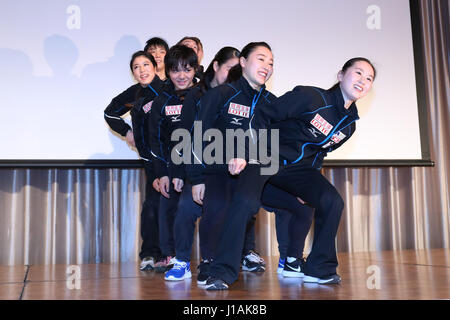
x=350, y=63
x=222, y=56
x=236, y=72
x=142, y=53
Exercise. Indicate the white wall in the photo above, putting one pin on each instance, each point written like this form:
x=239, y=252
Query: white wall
x=61, y=63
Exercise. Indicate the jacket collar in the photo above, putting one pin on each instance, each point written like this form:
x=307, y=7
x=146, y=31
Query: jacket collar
x=338, y=99
x=247, y=89
x=170, y=91
x=156, y=84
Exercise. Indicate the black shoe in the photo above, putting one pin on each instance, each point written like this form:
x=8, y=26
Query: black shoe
x=293, y=269
x=332, y=279
x=203, y=273
x=214, y=283
x=164, y=264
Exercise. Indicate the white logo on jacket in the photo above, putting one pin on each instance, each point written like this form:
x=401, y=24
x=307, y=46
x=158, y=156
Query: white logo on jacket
x=176, y=118
x=236, y=121
x=336, y=138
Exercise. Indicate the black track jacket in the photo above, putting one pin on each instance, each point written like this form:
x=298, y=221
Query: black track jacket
x=138, y=100
x=311, y=122
x=228, y=106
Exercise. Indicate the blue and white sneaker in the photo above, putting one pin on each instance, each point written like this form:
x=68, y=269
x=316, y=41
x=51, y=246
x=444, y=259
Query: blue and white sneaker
x=280, y=265
x=333, y=279
x=181, y=270
x=293, y=268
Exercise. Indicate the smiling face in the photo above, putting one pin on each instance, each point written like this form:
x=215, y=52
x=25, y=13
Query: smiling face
x=182, y=77
x=356, y=81
x=257, y=67
x=143, y=70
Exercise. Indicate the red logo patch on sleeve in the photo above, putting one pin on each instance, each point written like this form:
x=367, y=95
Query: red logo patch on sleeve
x=336, y=138
x=147, y=107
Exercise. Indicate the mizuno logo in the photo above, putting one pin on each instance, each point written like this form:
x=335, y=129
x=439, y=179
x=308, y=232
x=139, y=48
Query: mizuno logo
x=313, y=132
x=236, y=121
x=176, y=118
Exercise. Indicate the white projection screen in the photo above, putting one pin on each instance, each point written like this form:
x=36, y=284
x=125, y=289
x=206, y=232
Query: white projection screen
x=61, y=63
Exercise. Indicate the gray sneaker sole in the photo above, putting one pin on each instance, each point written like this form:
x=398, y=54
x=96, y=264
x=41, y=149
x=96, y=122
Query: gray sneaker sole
x=254, y=269
x=292, y=274
x=187, y=275
x=216, y=286
x=332, y=280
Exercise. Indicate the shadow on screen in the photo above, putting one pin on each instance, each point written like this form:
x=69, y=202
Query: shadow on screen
x=101, y=82
x=56, y=112
x=119, y=146
x=60, y=116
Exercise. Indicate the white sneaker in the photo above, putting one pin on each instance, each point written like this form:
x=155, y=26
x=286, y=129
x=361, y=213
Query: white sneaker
x=148, y=263
x=253, y=262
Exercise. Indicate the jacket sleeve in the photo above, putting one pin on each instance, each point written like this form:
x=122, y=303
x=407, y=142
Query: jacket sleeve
x=157, y=137
x=120, y=105
x=188, y=116
x=291, y=105
x=140, y=121
x=334, y=146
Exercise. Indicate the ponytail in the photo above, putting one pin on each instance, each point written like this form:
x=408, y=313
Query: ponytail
x=222, y=56
x=235, y=73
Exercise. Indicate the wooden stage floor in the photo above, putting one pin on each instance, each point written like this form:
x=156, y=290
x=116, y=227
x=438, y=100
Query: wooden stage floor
x=386, y=275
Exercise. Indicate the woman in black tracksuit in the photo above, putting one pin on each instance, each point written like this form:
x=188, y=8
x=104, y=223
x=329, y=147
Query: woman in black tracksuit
x=229, y=107
x=218, y=187
x=189, y=211
x=181, y=63
x=136, y=100
x=311, y=122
